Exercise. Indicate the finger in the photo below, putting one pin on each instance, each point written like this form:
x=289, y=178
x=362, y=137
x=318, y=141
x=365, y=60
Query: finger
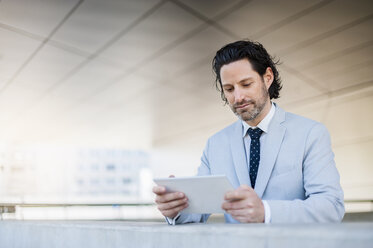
x=169, y=197
x=247, y=218
x=240, y=212
x=236, y=195
x=241, y=204
x=171, y=176
x=172, y=204
x=247, y=215
x=159, y=190
x=241, y=219
x=245, y=187
x=174, y=211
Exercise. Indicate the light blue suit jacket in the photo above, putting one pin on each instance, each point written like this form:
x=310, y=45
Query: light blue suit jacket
x=297, y=175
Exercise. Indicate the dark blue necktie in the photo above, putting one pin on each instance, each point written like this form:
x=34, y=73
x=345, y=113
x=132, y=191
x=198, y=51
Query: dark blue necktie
x=254, y=153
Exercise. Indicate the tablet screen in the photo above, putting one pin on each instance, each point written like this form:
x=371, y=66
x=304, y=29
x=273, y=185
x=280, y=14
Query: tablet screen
x=205, y=193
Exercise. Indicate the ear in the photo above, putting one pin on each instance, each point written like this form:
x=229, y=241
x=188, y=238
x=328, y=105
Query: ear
x=268, y=77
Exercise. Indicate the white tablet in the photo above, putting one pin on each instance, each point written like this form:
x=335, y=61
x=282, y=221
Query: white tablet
x=205, y=193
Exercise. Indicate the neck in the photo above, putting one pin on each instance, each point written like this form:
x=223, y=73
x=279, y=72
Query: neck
x=261, y=115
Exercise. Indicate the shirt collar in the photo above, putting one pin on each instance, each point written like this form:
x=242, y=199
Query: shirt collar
x=264, y=124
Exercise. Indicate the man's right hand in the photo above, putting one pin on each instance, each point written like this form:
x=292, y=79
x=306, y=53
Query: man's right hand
x=169, y=204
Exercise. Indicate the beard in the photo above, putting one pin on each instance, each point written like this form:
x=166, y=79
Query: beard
x=254, y=108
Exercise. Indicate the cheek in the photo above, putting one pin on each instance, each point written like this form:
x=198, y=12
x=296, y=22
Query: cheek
x=230, y=99
x=228, y=96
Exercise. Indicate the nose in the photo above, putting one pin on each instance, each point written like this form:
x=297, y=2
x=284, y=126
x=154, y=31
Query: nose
x=238, y=96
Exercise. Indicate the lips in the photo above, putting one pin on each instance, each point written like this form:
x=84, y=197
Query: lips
x=242, y=106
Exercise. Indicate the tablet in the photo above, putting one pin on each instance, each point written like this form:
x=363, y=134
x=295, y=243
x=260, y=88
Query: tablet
x=205, y=193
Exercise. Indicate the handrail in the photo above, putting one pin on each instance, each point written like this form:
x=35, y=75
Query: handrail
x=11, y=207
x=6, y=204
x=359, y=200
x=72, y=204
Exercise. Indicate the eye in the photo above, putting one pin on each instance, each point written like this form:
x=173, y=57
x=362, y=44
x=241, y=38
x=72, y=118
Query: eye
x=228, y=89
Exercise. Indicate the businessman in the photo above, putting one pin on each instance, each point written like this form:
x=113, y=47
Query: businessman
x=280, y=164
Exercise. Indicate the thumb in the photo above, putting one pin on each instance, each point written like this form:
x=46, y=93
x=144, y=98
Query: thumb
x=245, y=187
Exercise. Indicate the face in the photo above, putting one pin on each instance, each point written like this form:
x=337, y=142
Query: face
x=246, y=91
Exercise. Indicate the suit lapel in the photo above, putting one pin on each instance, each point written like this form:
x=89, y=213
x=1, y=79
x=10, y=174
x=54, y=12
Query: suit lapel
x=270, y=150
x=239, y=155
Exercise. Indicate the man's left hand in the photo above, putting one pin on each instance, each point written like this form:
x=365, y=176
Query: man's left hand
x=244, y=205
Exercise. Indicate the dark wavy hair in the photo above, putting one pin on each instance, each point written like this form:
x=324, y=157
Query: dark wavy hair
x=257, y=56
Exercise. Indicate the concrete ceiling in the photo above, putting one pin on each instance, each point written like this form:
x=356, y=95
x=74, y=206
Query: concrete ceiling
x=138, y=73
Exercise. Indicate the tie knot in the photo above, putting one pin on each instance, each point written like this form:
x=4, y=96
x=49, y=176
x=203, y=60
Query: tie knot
x=255, y=133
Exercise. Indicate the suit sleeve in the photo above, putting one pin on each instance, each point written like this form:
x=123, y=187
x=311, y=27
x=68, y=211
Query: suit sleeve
x=323, y=193
x=203, y=170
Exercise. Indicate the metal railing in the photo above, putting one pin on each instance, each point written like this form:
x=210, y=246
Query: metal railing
x=6, y=208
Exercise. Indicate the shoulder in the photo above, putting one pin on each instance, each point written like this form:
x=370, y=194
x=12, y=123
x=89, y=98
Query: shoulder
x=294, y=119
x=227, y=132
x=297, y=123
x=291, y=119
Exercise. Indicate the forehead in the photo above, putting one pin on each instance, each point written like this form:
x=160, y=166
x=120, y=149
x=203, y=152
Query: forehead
x=236, y=71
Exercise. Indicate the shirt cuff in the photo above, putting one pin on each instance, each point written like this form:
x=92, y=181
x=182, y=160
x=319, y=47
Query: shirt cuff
x=172, y=221
x=267, y=212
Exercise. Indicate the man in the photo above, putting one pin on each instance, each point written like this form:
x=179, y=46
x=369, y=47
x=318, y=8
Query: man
x=280, y=164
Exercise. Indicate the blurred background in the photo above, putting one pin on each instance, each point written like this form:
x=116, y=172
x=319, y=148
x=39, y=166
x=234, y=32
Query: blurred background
x=99, y=97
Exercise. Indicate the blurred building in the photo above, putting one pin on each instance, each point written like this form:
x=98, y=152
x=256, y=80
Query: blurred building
x=63, y=175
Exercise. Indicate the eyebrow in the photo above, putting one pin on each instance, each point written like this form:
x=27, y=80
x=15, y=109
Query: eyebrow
x=241, y=81
x=246, y=79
